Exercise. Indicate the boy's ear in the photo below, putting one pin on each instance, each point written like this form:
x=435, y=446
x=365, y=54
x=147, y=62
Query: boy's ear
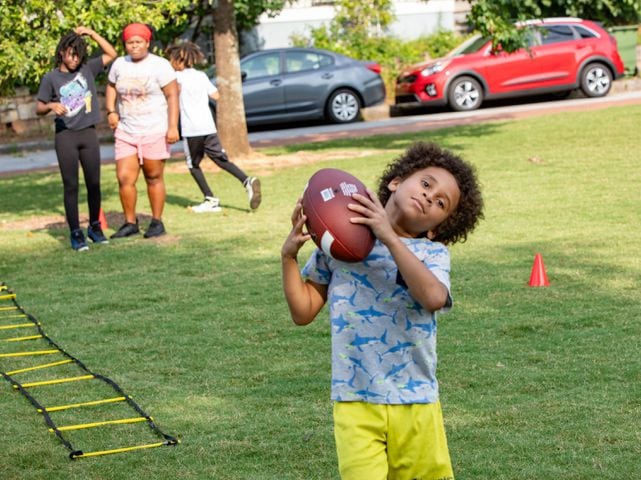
x=393, y=184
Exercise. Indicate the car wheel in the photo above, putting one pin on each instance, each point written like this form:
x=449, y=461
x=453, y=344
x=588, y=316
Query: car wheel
x=343, y=106
x=465, y=94
x=596, y=80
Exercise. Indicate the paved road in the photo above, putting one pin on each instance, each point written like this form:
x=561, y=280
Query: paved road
x=30, y=159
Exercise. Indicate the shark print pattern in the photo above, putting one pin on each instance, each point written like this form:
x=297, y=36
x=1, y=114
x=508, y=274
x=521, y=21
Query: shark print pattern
x=383, y=341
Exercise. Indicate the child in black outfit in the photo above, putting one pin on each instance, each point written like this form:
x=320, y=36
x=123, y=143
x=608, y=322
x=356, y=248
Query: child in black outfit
x=69, y=90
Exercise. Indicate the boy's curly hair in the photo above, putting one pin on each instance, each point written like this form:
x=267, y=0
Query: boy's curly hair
x=76, y=43
x=470, y=207
x=186, y=53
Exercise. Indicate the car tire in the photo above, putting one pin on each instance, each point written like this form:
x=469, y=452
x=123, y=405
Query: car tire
x=343, y=106
x=465, y=94
x=596, y=80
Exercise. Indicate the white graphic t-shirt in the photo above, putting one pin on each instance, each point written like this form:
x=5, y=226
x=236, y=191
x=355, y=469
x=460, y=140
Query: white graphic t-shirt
x=141, y=101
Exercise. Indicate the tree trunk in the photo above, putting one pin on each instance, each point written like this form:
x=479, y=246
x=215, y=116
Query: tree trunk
x=230, y=110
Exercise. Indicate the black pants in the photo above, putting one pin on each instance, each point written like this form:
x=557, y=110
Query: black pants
x=73, y=147
x=195, y=150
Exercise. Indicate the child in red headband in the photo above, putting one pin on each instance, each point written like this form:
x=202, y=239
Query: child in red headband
x=136, y=30
x=142, y=109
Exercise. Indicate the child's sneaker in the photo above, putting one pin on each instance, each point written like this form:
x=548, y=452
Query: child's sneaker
x=78, y=241
x=210, y=205
x=252, y=185
x=94, y=232
x=155, y=229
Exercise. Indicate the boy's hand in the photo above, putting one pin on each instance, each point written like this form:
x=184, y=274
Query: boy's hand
x=83, y=31
x=296, y=237
x=373, y=215
x=57, y=108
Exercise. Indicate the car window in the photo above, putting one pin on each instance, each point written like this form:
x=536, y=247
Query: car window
x=301, y=61
x=471, y=45
x=261, y=65
x=556, y=34
x=584, y=32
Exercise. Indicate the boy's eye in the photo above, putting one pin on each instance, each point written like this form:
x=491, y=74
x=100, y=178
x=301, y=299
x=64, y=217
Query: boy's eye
x=426, y=183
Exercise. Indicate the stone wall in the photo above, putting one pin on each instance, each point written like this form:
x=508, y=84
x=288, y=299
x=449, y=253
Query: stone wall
x=18, y=117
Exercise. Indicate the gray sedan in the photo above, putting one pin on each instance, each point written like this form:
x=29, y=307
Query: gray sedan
x=290, y=84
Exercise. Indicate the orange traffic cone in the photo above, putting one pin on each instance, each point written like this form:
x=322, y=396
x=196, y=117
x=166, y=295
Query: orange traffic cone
x=103, y=220
x=538, y=277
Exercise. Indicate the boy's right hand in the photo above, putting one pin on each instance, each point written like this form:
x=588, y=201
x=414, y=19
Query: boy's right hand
x=297, y=237
x=57, y=108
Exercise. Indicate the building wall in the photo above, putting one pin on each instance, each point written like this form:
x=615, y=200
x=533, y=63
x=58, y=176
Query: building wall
x=413, y=19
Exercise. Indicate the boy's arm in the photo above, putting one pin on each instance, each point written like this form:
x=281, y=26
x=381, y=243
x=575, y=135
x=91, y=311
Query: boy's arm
x=108, y=51
x=422, y=284
x=304, y=298
x=113, y=116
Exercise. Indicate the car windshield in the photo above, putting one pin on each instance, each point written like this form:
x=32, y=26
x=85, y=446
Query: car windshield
x=471, y=45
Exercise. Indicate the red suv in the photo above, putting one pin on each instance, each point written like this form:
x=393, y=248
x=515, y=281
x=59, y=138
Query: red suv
x=564, y=54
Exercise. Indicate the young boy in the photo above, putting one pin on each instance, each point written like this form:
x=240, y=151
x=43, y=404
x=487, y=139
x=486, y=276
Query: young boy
x=69, y=90
x=199, y=129
x=387, y=416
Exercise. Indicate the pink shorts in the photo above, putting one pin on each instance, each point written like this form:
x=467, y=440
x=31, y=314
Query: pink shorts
x=148, y=147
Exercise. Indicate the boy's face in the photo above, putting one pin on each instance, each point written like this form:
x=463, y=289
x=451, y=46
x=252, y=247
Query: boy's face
x=70, y=60
x=421, y=202
x=177, y=65
x=137, y=47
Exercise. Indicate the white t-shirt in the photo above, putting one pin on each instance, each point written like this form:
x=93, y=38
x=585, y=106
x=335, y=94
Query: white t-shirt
x=195, y=117
x=141, y=101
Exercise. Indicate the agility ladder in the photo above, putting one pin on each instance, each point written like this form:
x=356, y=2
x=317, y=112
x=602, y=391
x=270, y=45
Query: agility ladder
x=14, y=318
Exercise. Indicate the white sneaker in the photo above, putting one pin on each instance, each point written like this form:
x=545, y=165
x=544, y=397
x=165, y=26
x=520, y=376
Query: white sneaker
x=252, y=185
x=210, y=205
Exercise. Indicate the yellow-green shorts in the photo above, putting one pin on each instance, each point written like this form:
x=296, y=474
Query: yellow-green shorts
x=391, y=442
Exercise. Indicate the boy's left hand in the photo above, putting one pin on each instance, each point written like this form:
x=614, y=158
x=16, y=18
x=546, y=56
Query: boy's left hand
x=373, y=215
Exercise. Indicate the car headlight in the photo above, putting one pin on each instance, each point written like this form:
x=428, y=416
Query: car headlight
x=433, y=68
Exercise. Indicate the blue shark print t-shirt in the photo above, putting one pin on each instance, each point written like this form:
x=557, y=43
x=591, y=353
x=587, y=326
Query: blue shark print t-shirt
x=383, y=341
x=76, y=91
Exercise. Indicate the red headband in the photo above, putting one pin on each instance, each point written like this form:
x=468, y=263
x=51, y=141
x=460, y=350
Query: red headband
x=136, y=30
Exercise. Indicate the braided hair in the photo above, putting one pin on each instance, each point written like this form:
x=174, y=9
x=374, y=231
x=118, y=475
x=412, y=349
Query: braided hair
x=187, y=53
x=74, y=42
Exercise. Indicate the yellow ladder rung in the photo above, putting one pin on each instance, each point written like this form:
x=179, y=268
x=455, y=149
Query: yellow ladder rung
x=8, y=297
x=100, y=424
x=17, y=315
x=38, y=367
x=21, y=339
x=2, y=309
x=17, y=325
x=56, y=381
x=83, y=404
x=120, y=450
x=26, y=354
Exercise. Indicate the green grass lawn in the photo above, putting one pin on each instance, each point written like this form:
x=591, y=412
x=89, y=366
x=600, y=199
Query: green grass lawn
x=537, y=383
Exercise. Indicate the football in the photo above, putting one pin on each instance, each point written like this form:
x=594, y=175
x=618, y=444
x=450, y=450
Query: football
x=325, y=200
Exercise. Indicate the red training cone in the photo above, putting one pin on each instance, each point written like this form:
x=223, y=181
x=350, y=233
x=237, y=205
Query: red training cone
x=103, y=220
x=538, y=277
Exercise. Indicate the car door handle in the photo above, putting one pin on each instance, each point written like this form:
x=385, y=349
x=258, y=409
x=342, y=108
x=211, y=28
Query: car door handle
x=327, y=76
x=276, y=82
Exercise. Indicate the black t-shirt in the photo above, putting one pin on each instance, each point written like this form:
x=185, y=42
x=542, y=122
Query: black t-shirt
x=76, y=91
